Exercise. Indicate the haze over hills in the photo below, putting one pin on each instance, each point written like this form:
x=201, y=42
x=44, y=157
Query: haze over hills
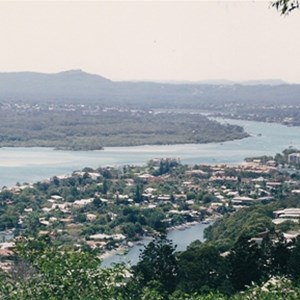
x=34, y=86
x=77, y=86
x=222, y=82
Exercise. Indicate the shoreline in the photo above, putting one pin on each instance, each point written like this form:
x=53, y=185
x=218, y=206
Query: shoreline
x=114, y=256
x=67, y=149
x=35, y=164
x=69, y=174
x=123, y=250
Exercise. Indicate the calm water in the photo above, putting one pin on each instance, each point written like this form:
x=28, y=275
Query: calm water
x=180, y=238
x=33, y=164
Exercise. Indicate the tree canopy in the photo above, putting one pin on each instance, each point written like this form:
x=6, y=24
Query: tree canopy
x=285, y=6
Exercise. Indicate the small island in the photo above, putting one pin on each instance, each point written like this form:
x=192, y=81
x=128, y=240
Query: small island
x=92, y=127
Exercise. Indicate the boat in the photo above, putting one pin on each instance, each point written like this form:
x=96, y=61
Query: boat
x=206, y=221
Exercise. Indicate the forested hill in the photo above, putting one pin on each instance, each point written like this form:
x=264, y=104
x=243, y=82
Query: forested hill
x=76, y=86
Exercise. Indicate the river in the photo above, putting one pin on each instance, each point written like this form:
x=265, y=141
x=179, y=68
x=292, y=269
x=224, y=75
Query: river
x=33, y=164
x=180, y=238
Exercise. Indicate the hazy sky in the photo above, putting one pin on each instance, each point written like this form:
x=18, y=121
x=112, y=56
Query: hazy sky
x=155, y=40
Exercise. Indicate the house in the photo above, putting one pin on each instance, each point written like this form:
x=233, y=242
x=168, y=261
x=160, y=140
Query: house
x=94, y=175
x=164, y=198
x=259, y=179
x=44, y=222
x=66, y=220
x=265, y=199
x=273, y=185
x=294, y=158
x=118, y=237
x=56, y=198
x=7, y=245
x=91, y=217
x=96, y=244
x=232, y=193
x=271, y=163
x=146, y=177
x=100, y=237
x=197, y=173
x=289, y=236
x=62, y=207
x=242, y=200
x=150, y=190
x=287, y=213
x=106, y=237
x=83, y=202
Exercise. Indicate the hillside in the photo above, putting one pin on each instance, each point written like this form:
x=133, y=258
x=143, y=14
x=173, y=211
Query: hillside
x=76, y=86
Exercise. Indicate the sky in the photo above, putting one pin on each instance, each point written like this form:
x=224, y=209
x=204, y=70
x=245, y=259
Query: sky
x=151, y=40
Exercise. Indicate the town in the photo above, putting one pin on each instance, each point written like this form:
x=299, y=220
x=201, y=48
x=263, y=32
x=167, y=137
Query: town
x=109, y=209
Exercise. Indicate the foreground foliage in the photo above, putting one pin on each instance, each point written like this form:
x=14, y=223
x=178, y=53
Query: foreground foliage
x=44, y=271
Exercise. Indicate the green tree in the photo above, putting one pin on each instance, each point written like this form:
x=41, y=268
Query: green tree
x=245, y=263
x=158, y=263
x=293, y=263
x=280, y=255
x=285, y=6
x=202, y=269
x=138, y=193
x=105, y=186
x=61, y=273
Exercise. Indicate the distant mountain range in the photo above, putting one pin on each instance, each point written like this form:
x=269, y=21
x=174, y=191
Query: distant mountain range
x=224, y=82
x=76, y=86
